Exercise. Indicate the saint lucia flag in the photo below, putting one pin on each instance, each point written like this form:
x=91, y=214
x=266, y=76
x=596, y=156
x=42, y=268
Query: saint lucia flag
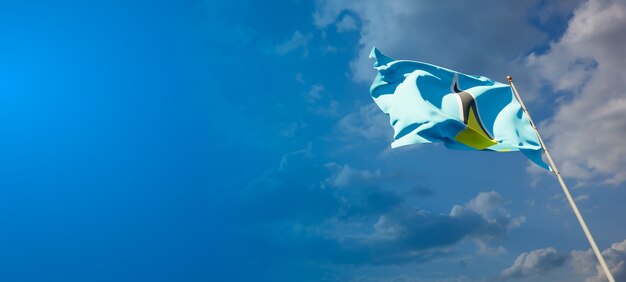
x=427, y=103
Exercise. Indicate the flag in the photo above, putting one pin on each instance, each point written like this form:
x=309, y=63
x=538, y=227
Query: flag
x=428, y=103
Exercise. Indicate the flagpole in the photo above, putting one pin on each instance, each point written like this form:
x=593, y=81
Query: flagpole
x=565, y=189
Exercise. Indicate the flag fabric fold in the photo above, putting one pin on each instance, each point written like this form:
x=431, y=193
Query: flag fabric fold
x=428, y=103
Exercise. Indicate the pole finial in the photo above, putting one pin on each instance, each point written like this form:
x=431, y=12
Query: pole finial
x=509, y=78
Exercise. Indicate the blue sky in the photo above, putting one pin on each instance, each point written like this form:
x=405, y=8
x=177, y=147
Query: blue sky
x=237, y=141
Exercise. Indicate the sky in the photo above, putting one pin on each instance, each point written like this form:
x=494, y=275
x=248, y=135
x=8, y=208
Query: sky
x=237, y=141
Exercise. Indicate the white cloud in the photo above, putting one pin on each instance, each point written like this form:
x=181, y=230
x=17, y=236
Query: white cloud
x=299, y=77
x=404, y=233
x=486, y=202
x=485, y=249
x=615, y=256
x=315, y=93
x=289, y=130
x=582, y=263
x=581, y=198
x=319, y=102
x=586, y=133
x=535, y=262
x=482, y=42
x=491, y=207
x=298, y=40
x=368, y=122
x=344, y=175
x=295, y=157
x=411, y=230
x=347, y=23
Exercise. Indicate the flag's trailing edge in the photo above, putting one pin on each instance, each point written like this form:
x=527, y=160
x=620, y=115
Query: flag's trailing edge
x=427, y=104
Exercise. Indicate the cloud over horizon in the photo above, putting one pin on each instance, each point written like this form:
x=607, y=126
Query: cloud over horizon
x=534, y=263
x=578, y=262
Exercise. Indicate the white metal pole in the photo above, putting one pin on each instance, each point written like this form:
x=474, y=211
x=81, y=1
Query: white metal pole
x=565, y=190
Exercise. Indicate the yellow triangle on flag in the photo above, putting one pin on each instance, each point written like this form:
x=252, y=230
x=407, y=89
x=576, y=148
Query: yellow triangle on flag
x=474, y=135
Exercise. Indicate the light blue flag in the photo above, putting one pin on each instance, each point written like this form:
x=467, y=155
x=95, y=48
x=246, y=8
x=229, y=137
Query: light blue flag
x=427, y=104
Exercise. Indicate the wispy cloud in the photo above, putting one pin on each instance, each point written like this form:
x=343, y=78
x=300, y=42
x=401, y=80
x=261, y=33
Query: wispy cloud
x=297, y=41
x=344, y=175
x=347, y=23
x=320, y=102
x=366, y=122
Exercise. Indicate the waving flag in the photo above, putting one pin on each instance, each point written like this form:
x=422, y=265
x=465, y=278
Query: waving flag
x=427, y=104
